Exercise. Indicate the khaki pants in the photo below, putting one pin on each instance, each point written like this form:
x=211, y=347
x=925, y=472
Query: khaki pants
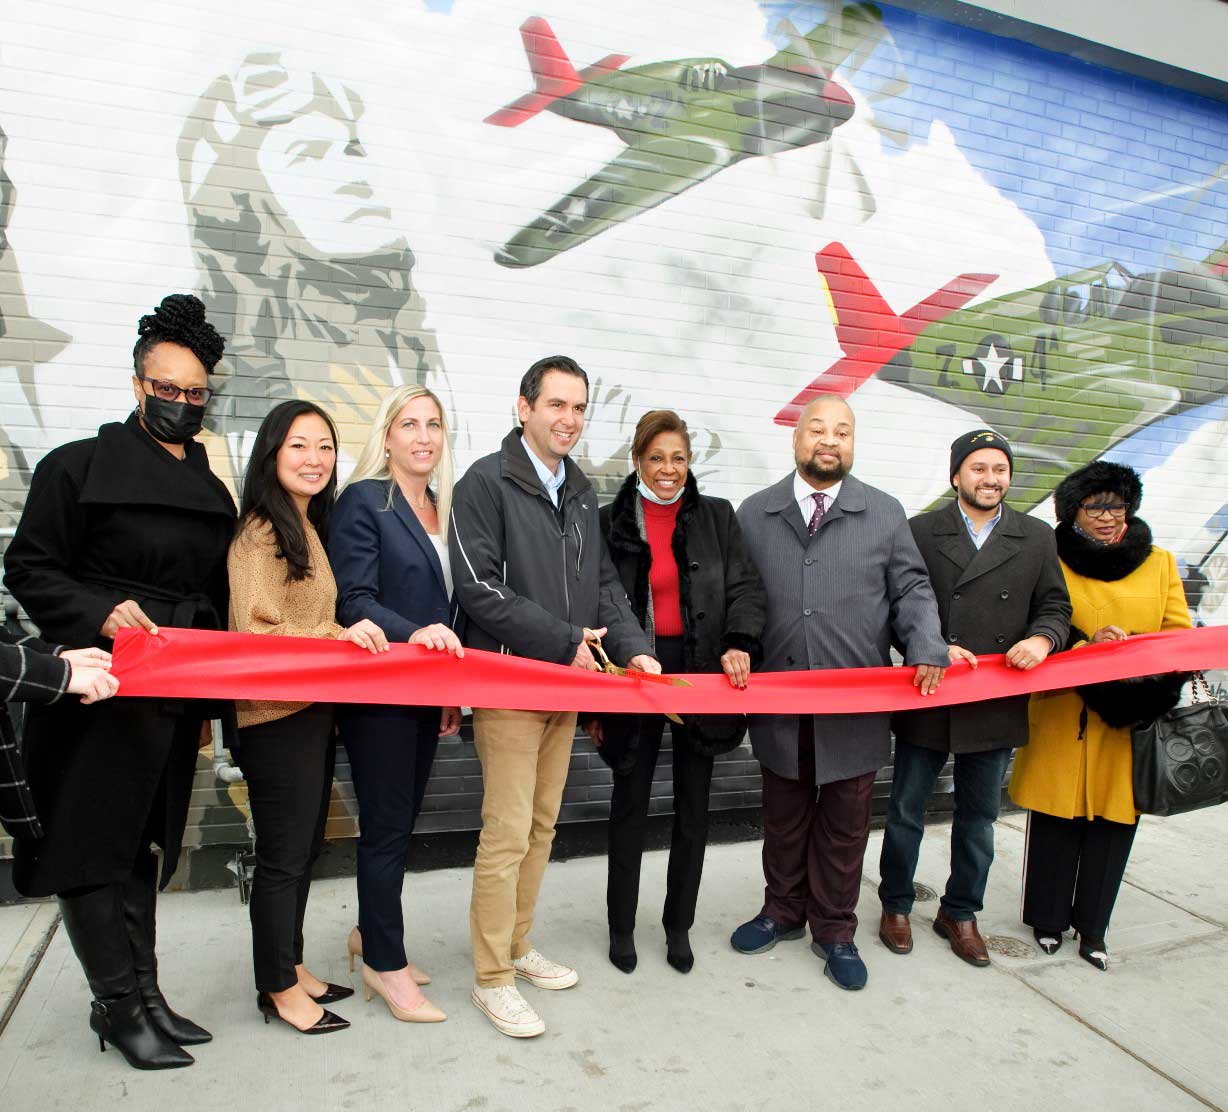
x=525, y=756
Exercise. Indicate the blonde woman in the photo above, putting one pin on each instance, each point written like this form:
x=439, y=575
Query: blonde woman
x=390, y=559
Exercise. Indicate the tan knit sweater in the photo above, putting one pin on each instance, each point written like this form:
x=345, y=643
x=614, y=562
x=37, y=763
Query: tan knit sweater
x=263, y=600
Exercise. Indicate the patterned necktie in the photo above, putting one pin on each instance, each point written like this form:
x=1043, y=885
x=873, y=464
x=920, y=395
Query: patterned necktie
x=817, y=516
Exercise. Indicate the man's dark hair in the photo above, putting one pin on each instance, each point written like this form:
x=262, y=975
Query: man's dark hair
x=265, y=499
x=179, y=319
x=531, y=384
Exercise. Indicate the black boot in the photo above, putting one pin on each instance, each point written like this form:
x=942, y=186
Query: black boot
x=140, y=894
x=94, y=922
x=678, y=950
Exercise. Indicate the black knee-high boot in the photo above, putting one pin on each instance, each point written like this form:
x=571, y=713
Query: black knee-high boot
x=94, y=922
x=140, y=896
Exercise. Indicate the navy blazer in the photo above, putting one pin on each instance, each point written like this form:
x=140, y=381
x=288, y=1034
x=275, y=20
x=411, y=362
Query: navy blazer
x=385, y=565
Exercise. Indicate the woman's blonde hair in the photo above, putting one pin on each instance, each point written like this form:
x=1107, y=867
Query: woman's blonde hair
x=373, y=461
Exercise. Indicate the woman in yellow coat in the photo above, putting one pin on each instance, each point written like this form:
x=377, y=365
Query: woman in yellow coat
x=1075, y=775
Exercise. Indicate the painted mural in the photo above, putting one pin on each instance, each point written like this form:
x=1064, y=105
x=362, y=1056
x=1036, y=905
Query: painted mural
x=727, y=211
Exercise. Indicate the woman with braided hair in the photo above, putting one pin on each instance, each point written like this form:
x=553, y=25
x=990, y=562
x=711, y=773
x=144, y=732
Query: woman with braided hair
x=128, y=529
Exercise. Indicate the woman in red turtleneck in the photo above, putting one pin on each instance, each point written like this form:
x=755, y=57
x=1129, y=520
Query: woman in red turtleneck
x=680, y=557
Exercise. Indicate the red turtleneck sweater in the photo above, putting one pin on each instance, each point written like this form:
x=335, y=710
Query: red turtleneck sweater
x=659, y=522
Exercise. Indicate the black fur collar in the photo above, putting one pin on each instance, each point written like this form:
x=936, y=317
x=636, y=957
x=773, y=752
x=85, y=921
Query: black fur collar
x=624, y=535
x=1107, y=562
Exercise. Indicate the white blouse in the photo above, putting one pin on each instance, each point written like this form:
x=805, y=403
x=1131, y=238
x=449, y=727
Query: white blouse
x=441, y=547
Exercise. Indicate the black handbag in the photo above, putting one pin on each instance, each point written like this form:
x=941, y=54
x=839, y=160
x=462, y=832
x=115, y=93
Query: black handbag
x=1181, y=759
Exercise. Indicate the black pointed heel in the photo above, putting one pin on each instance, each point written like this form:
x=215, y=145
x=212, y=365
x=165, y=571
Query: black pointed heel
x=1094, y=953
x=1049, y=941
x=125, y=1024
x=332, y=993
x=325, y=1025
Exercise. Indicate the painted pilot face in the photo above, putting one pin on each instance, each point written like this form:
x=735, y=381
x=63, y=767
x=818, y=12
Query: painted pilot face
x=319, y=173
x=983, y=478
x=823, y=442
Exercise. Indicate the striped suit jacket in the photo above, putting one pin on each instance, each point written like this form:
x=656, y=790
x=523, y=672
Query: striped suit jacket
x=29, y=673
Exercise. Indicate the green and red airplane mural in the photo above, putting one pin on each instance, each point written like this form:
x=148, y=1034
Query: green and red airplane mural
x=682, y=121
x=1066, y=369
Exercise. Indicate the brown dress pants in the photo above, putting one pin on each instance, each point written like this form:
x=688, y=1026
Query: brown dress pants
x=814, y=843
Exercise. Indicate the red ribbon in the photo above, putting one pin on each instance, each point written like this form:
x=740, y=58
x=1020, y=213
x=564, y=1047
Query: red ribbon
x=201, y=664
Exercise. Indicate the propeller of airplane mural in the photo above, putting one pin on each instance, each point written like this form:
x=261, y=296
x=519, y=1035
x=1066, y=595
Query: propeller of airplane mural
x=1066, y=369
x=682, y=121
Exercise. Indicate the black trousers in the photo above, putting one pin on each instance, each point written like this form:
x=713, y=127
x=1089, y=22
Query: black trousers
x=288, y=765
x=1072, y=873
x=629, y=819
x=391, y=751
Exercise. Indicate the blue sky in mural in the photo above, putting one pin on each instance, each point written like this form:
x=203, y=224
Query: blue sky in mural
x=1086, y=151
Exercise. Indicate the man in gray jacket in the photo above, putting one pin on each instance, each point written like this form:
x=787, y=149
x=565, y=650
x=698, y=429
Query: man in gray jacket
x=844, y=581
x=533, y=578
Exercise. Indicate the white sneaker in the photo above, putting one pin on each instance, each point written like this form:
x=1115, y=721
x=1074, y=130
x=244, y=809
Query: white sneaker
x=508, y=1011
x=541, y=972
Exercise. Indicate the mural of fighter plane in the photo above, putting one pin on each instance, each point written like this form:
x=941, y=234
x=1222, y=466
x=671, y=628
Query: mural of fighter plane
x=1066, y=369
x=682, y=121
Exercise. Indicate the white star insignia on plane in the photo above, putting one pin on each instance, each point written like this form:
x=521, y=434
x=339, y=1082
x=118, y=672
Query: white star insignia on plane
x=991, y=364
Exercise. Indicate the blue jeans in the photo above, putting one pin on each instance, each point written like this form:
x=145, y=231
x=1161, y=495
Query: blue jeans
x=978, y=795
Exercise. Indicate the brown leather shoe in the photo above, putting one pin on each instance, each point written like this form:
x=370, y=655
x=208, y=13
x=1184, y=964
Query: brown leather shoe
x=964, y=938
x=895, y=932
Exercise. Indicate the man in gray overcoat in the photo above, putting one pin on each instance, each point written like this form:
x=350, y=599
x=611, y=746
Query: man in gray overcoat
x=1000, y=589
x=844, y=582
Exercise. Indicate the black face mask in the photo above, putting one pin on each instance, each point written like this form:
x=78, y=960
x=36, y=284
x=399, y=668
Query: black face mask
x=172, y=422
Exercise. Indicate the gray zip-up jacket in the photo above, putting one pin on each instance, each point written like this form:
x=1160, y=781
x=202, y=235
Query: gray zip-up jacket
x=529, y=577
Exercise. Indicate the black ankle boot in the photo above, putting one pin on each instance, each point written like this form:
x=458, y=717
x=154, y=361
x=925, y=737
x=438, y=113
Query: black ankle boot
x=678, y=950
x=140, y=895
x=94, y=923
x=126, y=1025
x=622, y=952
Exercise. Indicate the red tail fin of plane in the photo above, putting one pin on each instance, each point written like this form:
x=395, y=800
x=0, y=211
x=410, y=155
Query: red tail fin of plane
x=868, y=330
x=553, y=74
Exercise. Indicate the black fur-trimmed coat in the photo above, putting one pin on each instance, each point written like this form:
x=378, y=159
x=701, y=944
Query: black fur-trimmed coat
x=722, y=599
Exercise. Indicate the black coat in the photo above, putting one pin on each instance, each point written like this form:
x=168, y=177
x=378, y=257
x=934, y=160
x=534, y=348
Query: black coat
x=111, y=518
x=30, y=672
x=722, y=599
x=1010, y=589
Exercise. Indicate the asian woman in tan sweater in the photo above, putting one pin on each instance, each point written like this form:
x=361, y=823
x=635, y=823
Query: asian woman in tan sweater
x=281, y=585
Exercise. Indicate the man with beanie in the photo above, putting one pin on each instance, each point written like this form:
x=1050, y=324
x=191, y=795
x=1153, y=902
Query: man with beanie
x=1000, y=589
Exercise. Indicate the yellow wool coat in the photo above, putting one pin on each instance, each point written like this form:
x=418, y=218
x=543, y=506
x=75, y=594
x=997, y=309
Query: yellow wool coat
x=1058, y=773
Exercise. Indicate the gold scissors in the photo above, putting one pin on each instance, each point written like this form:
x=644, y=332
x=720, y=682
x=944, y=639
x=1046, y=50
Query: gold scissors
x=610, y=668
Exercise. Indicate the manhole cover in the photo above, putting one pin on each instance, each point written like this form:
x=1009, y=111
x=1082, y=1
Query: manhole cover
x=923, y=892
x=1010, y=947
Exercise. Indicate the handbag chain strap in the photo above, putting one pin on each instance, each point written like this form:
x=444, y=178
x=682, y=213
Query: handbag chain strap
x=1201, y=690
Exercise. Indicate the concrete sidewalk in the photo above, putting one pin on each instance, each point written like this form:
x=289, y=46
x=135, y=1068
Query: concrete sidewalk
x=737, y=1033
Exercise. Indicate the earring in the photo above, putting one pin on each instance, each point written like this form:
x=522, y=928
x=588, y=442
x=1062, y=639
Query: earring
x=387, y=454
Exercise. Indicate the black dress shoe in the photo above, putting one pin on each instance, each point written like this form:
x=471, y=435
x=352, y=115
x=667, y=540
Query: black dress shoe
x=678, y=951
x=325, y=1025
x=332, y=994
x=622, y=952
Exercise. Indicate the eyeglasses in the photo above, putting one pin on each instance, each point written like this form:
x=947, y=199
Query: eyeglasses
x=1104, y=509
x=167, y=391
